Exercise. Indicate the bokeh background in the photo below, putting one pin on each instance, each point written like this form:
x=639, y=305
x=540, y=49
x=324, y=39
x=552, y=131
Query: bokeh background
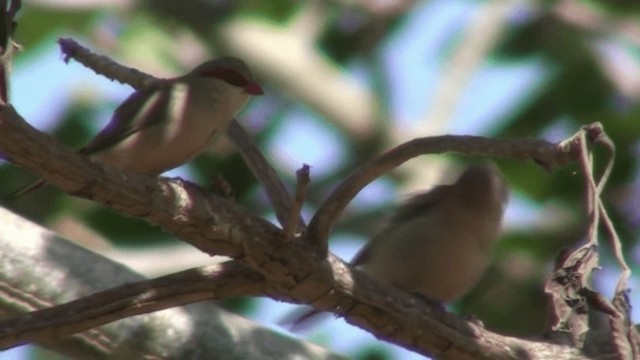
x=346, y=80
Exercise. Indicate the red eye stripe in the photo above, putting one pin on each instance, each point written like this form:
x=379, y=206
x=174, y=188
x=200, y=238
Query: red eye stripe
x=231, y=77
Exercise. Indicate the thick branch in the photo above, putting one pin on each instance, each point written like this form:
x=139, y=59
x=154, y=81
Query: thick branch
x=391, y=313
x=210, y=282
x=38, y=269
x=293, y=273
x=177, y=206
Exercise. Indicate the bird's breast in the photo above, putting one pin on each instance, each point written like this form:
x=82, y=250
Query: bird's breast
x=192, y=117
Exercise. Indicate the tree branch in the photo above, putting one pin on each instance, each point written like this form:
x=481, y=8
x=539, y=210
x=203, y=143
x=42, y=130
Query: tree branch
x=544, y=153
x=39, y=269
x=177, y=206
x=206, y=283
x=291, y=227
x=293, y=273
x=264, y=172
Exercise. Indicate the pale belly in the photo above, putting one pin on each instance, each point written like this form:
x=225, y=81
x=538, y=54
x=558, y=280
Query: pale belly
x=169, y=144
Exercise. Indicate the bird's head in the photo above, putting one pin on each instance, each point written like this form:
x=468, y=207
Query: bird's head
x=231, y=70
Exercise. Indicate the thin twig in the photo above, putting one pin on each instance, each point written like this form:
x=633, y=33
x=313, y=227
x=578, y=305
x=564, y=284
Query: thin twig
x=624, y=337
x=264, y=172
x=614, y=239
x=591, y=195
x=104, y=65
x=302, y=184
x=616, y=245
x=568, y=285
x=623, y=334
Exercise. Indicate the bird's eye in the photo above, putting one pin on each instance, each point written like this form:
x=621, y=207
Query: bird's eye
x=231, y=77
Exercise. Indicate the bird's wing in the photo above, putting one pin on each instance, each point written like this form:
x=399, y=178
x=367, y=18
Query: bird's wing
x=416, y=206
x=130, y=117
x=127, y=119
x=419, y=204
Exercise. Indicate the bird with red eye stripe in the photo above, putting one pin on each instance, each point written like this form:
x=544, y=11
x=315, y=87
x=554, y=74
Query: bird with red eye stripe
x=170, y=122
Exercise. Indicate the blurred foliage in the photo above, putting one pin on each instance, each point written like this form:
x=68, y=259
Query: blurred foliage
x=232, y=169
x=353, y=33
x=579, y=91
x=239, y=305
x=372, y=353
x=277, y=10
x=37, y=24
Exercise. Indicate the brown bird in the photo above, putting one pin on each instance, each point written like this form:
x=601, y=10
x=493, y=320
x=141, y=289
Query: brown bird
x=439, y=243
x=172, y=121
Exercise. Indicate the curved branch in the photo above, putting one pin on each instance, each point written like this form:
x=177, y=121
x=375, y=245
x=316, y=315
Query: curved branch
x=542, y=152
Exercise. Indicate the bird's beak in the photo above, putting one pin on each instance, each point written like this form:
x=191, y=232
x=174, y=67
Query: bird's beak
x=253, y=89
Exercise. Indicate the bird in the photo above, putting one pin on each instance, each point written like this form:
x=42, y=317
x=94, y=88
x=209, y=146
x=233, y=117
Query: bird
x=171, y=121
x=438, y=244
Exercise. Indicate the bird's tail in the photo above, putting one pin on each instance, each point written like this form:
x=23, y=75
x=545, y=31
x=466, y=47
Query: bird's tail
x=25, y=190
